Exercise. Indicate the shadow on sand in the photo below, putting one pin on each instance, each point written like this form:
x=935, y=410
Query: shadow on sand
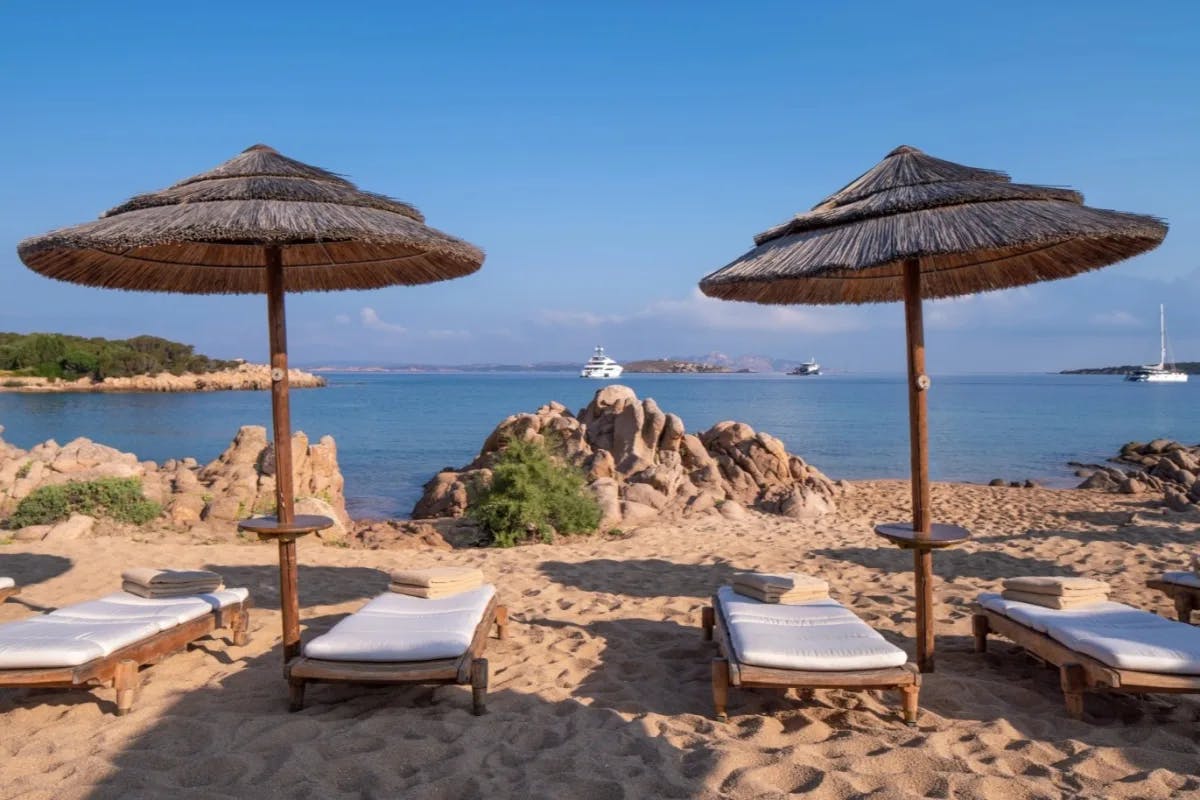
x=645, y=577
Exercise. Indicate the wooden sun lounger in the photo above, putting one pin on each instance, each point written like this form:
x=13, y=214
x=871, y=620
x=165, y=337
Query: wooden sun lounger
x=1078, y=672
x=471, y=667
x=1187, y=598
x=120, y=668
x=728, y=671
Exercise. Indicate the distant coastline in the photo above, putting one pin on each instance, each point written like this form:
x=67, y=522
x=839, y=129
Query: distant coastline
x=243, y=377
x=1190, y=367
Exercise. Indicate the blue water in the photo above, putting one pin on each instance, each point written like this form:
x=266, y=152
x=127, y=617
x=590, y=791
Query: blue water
x=395, y=431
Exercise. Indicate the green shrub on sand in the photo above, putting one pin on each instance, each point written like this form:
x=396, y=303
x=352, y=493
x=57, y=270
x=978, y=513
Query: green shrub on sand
x=531, y=496
x=118, y=498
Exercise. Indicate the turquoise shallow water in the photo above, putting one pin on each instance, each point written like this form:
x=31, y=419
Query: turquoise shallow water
x=395, y=431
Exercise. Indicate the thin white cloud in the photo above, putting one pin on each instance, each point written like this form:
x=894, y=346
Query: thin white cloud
x=372, y=321
x=1115, y=319
x=446, y=333
x=700, y=311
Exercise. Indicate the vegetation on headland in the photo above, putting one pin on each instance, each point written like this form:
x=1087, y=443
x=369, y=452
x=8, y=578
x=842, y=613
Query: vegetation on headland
x=1190, y=367
x=533, y=495
x=673, y=366
x=119, y=498
x=55, y=355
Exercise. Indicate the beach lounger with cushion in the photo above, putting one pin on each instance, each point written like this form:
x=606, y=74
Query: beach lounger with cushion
x=1105, y=646
x=8, y=588
x=1183, y=588
x=814, y=645
x=104, y=642
x=397, y=639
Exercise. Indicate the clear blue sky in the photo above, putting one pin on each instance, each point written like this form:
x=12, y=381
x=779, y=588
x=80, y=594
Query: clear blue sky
x=607, y=156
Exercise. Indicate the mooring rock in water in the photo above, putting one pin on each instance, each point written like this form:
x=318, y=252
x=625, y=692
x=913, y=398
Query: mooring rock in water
x=641, y=462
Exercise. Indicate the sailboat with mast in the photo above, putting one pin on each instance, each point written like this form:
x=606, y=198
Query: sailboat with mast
x=1160, y=372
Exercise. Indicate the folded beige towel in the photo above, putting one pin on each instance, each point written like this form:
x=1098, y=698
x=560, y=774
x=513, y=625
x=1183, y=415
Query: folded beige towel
x=432, y=592
x=1062, y=587
x=1062, y=602
x=150, y=576
x=180, y=590
x=781, y=582
x=437, y=576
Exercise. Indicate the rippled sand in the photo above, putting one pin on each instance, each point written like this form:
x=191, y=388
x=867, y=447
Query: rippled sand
x=602, y=689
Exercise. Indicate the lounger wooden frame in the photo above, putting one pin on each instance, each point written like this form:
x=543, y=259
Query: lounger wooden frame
x=120, y=669
x=1187, y=598
x=471, y=667
x=728, y=671
x=1078, y=672
x=11, y=591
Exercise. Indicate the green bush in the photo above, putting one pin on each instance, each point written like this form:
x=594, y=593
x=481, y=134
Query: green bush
x=118, y=498
x=532, y=494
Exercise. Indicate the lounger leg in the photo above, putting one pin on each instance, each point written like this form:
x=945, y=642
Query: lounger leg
x=980, y=627
x=241, y=628
x=708, y=621
x=909, y=700
x=479, y=686
x=501, y=622
x=1184, y=606
x=295, y=694
x=720, y=687
x=1074, y=681
x=125, y=680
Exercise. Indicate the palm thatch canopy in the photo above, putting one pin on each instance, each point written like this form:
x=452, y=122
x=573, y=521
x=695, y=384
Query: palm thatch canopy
x=971, y=229
x=208, y=235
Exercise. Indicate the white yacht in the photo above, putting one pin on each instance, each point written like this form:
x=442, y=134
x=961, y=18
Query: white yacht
x=601, y=366
x=810, y=367
x=1160, y=372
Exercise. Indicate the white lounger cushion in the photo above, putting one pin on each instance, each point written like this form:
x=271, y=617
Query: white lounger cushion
x=167, y=612
x=475, y=600
x=64, y=642
x=1183, y=579
x=7, y=583
x=1114, y=634
x=397, y=628
x=820, y=636
x=76, y=634
x=1040, y=618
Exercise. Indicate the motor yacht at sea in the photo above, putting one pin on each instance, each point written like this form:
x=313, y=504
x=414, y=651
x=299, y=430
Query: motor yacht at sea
x=601, y=366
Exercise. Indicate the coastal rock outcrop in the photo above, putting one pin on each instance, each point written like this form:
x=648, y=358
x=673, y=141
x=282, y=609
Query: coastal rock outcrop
x=641, y=463
x=242, y=377
x=205, y=500
x=1161, y=466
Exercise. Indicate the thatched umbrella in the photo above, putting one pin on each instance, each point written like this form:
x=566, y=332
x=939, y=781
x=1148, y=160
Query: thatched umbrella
x=914, y=226
x=259, y=223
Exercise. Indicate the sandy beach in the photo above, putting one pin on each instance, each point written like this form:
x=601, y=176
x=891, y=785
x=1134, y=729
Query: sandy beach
x=602, y=689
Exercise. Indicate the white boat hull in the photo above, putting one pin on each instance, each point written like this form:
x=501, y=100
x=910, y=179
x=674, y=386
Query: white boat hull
x=602, y=373
x=1158, y=377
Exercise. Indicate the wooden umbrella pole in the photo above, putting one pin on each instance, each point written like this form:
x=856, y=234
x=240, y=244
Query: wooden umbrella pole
x=918, y=384
x=281, y=418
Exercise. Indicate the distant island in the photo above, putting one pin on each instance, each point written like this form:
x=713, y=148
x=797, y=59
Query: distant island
x=670, y=365
x=1190, y=367
x=54, y=362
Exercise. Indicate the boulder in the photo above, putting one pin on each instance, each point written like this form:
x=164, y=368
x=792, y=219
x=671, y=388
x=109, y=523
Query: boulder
x=75, y=527
x=31, y=533
x=637, y=458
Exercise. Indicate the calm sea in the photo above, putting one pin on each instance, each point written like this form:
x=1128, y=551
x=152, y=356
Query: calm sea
x=395, y=431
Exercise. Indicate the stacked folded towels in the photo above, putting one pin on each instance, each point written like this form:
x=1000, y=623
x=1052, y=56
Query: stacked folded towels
x=1061, y=593
x=158, y=583
x=786, y=588
x=436, y=582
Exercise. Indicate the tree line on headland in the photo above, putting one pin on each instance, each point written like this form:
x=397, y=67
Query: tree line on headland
x=1190, y=367
x=55, y=355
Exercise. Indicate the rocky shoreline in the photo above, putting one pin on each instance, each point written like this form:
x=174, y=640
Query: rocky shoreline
x=244, y=377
